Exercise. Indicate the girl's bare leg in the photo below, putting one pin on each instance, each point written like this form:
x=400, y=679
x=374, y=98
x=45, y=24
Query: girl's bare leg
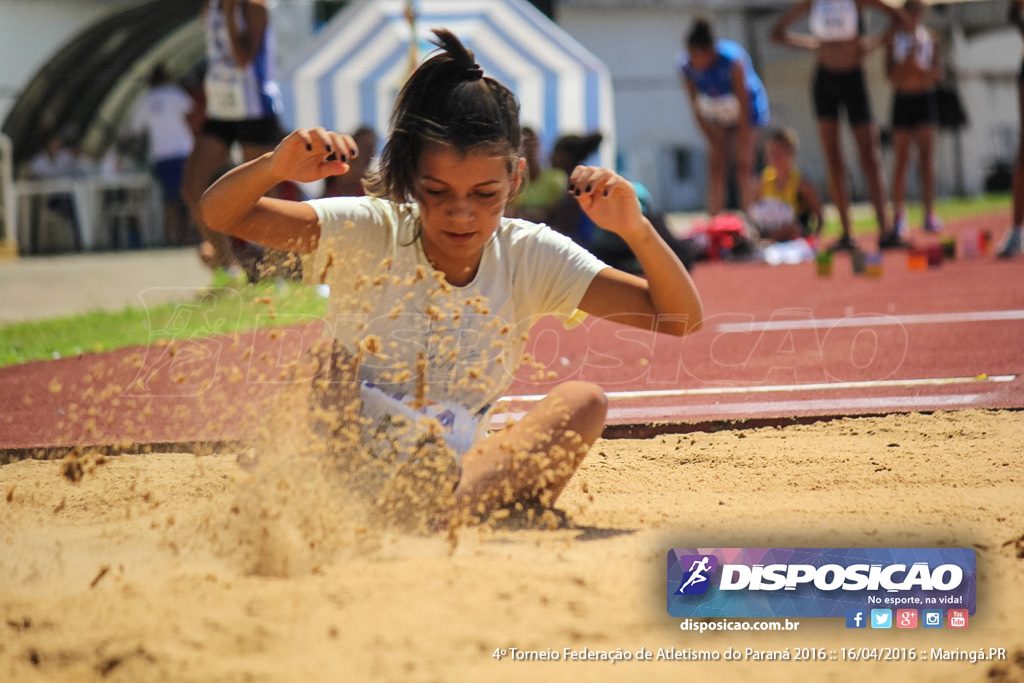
x=1011, y=245
x=208, y=156
x=866, y=136
x=901, y=149
x=1018, y=174
x=746, y=151
x=717, y=166
x=924, y=137
x=828, y=132
x=533, y=460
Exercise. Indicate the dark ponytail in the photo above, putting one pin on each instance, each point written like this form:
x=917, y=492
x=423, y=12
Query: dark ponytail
x=447, y=100
x=701, y=36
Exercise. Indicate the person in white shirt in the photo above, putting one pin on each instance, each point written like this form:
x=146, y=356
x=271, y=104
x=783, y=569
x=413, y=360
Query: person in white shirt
x=56, y=160
x=162, y=115
x=433, y=291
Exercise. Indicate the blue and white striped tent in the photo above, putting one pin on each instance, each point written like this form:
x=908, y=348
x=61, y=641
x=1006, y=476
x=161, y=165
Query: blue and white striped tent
x=353, y=71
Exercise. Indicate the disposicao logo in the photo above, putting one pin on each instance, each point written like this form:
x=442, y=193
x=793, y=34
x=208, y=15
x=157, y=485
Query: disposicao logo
x=818, y=582
x=696, y=579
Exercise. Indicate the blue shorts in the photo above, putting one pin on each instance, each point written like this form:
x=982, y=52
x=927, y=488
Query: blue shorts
x=170, y=172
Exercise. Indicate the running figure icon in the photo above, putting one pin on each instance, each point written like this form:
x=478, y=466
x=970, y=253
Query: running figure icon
x=698, y=573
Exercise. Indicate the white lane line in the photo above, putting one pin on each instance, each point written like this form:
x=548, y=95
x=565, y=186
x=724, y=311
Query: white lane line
x=785, y=388
x=783, y=408
x=778, y=408
x=870, y=321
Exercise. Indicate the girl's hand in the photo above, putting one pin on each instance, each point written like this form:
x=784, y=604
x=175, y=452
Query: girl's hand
x=308, y=155
x=608, y=199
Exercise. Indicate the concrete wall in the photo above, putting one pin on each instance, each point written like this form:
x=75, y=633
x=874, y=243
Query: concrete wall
x=987, y=67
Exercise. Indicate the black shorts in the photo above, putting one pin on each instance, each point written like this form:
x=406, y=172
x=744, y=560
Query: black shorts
x=835, y=90
x=910, y=110
x=266, y=131
x=1020, y=76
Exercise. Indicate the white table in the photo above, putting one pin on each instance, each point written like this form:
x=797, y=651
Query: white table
x=88, y=194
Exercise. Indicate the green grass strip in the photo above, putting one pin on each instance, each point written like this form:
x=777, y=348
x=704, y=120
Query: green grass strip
x=223, y=310
x=946, y=209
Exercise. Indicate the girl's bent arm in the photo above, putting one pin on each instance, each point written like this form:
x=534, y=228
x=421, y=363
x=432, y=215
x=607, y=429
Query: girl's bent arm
x=667, y=295
x=691, y=94
x=246, y=44
x=235, y=204
x=739, y=86
x=781, y=35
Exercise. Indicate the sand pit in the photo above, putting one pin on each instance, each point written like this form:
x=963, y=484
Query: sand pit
x=183, y=568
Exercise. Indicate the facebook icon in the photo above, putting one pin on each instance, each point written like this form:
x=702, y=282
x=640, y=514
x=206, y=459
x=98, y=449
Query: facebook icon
x=856, y=618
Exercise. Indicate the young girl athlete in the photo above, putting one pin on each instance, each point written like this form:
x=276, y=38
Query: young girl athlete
x=839, y=85
x=912, y=62
x=433, y=290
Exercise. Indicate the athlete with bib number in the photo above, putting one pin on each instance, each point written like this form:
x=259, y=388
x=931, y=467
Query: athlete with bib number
x=242, y=102
x=839, y=85
x=912, y=62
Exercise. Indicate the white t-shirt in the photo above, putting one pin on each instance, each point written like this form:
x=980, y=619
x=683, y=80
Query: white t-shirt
x=63, y=165
x=456, y=347
x=161, y=114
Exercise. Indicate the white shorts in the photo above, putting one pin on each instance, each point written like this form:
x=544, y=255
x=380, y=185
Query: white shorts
x=395, y=420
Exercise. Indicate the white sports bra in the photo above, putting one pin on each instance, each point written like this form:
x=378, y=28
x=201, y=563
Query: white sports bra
x=834, y=20
x=917, y=45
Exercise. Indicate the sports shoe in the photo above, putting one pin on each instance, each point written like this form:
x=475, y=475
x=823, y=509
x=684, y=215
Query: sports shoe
x=1011, y=245
x=844, y=243
x=891, y=240
x=899, y=224
x=932, y=224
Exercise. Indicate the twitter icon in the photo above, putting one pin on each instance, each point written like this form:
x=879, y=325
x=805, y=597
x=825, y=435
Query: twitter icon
x=881, y=618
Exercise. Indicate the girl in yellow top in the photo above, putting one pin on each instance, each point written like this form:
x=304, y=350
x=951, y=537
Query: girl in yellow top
x=788, y=206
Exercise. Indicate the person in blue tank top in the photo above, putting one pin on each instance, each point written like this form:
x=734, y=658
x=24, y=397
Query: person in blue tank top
x=729, y=103
x=242, y=104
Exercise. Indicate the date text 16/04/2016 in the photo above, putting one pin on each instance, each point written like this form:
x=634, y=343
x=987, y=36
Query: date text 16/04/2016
x=795, y=654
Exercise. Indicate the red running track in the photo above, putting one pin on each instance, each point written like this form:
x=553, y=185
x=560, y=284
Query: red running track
x=778, y=343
